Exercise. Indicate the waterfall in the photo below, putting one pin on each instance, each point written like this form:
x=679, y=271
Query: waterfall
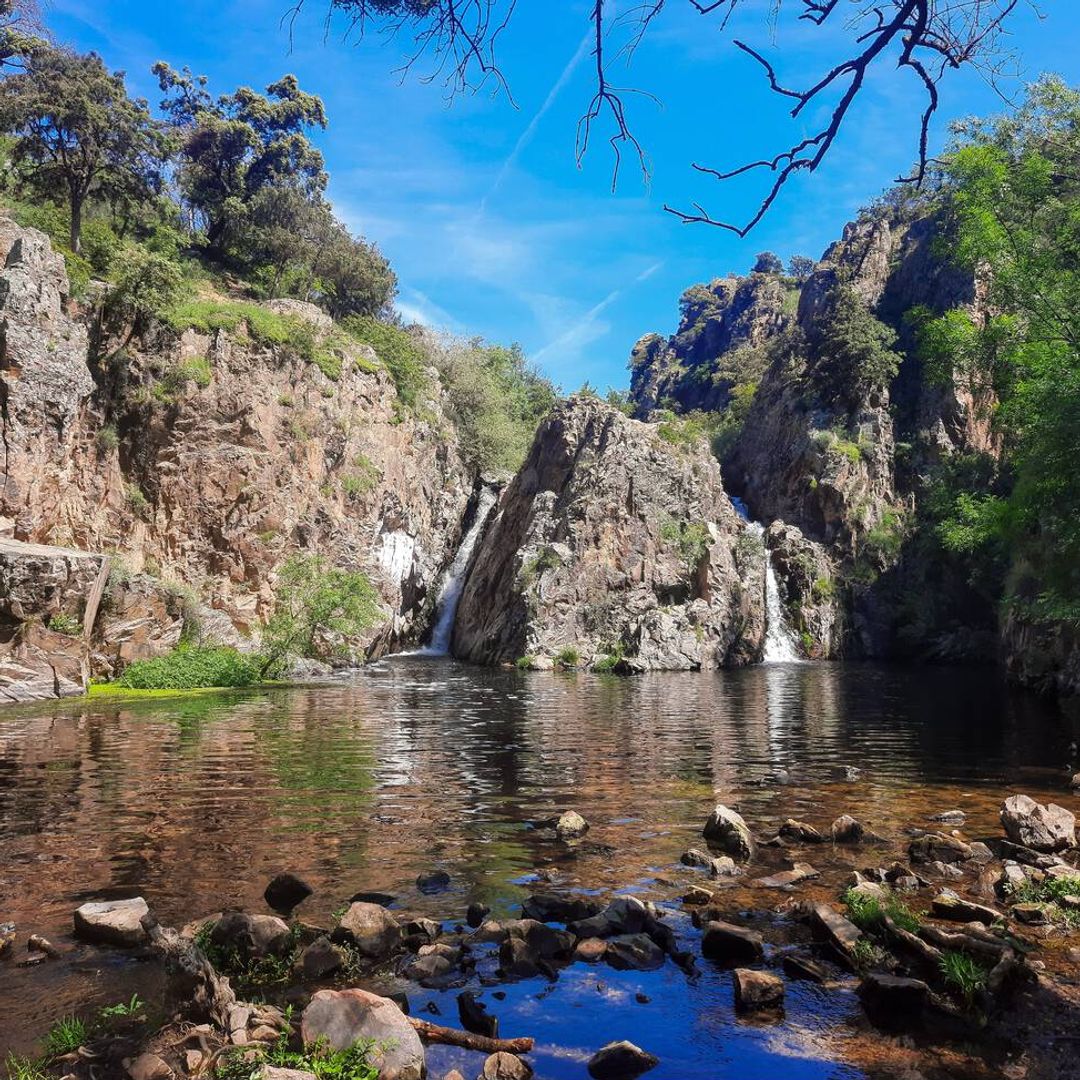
x=781, y=644
x=450, y=593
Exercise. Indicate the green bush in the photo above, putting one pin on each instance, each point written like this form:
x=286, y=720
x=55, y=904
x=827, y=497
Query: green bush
x=568, y=658
x=145, y=284
x=62, y=623
x=691, y=538
x=192, y=668
x=398, y=350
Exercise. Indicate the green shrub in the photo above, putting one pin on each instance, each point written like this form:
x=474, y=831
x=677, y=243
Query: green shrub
x=610, y=661
x=108, y=439
x=145, y=284
x=525, y=663
x=692, y=539
x=398, y=350
x=191, y=668
x=63, y=623
x=365, y=477
x=355, y=1063
x=568, y=658
x=137, y=502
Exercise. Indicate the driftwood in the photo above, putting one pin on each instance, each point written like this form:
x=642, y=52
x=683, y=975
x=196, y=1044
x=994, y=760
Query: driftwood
x=202, y=992
x=991, y=950
x=465, y=1039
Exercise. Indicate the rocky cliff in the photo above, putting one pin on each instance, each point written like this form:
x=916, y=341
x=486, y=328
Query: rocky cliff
x=202, y=460
x=614, y=547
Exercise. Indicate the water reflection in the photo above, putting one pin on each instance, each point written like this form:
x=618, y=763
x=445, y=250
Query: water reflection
x=363, y=784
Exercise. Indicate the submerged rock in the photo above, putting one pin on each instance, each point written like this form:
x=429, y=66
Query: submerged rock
x=787, y=878
x=551, y=907
x=476, y=913
x=475, y=1017
x=756, y=990
x=112, y=922
x=935, y=847
x=1042, y=828
x=431, y=884
x=343, y=1018
x=726, y=830
x=621, y=1061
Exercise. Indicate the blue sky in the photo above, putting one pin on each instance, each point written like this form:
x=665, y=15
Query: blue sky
x=479, y=205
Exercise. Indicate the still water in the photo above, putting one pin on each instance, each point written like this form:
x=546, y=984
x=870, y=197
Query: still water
x=416, y=764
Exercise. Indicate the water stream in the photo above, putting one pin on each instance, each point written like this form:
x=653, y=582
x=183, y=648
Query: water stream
x=450, y=593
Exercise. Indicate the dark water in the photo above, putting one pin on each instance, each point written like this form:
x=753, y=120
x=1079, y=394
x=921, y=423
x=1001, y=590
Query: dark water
x=417, y=764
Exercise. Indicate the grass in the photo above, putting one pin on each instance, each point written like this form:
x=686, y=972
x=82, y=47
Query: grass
x=65, y=1037
x=190, y=668
x=1048, y=893
x=609, y=662
x=62, y=623
x=868, y=912
x=964, y=974
x=21, y=1068
x=353, y=1063
x=525, y=663
x=122, y=1010
x=568, y=658
x=867, y=955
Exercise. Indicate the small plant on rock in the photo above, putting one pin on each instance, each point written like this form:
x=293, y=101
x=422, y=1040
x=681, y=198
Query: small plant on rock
x=568, y=659
x=964, y=974
x=62, y=623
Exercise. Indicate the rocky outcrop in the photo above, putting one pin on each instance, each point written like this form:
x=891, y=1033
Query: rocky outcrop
x=203, y=460
x=615, y=546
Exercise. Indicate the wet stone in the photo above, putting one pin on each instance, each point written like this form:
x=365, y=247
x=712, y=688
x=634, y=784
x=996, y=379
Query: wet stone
x=892, y=1000
x=591, y=950
x=285, y=892
x=504, y=1066
x=846, y=830
x=757, y=990
x=948, y=905
x=475, y=1017
x=571, y=826
x=321, y=958
x=800, y=833
x=621, y=1061
x=634, y=952
x=476, y=913
x=697, y=895
x=726, y=831
x=1048, y=828
x=787, y=878
x=803, y=967
x=551, y=907
x=731, y=944
x=936, y=847
x=112, y=922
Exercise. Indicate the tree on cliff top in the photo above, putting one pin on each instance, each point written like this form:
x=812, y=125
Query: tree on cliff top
x=924, y=38
x=78, y=135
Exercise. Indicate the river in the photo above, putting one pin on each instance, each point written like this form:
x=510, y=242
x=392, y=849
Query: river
x=414, y=764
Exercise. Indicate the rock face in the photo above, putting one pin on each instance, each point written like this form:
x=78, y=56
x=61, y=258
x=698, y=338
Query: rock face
x=618, y=546
x=344, y=1018
x=210, y=486
x=1041, y=828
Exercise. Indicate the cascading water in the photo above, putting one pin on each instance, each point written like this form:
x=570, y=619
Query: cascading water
x=781, y=644
x=450, y=593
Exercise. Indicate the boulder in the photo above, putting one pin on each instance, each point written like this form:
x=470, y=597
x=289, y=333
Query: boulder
x=803, y=967
x=148, y=1067
x=345, y=1017
x=726, y=830
x=846, y=830
x=252, y=936
x=756, y=990
x=430, y=970
x=285, y=892
x=936, y=847
x=475, y=1017
x=893, y=998
x=590, y=950
x=504, y=1066
x=731, y=944
x=431, y=884
x=621, y=1061
x=948, y=905
x=550, y=907
x=624, y=915
x=950, y=817
x=634, y=952
x=799, y=832
x=321, y=958
x=831, y=927
x=697, y=895
x=1042, y=828
x=112, y=922
x=476, y=913
x=370, y=929
x=571, y=825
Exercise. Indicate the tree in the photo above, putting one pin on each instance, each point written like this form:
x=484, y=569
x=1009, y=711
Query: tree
x=241, y=148
x=768, y=263
x=77, y=133
x=926, y=39
x=318, y=608
x=21, y=29
x=800, y=267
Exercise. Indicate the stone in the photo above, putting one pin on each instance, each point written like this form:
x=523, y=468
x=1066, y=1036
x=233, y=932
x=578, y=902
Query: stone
x=624, y=915
x=272, y=1072
x=697, y=895
x=590, y=950
x=319, y=959
x=936, y=847
x=475, y=1017
x=550, y=907
x=948, y=905
x=846, y=830
x=571, y=826
x=757, y=990
x=726, y=830
x=504, y=1066
x=1030, y=914
x=800, y=833
x=370, y=929
x=112, y=922
x=429, y=970
x=252, y=936
x=1049, y=828
x=731, y=944
x=893, y=997
x=696, y=857
x=433, y=883
x=785, y=879
x=950, y=817
x=475, y=914
x=803, y=967
x=7, y=936
x=722, y=867
x=285, y=892
x=830, y=926
x=148, y=1067
x=621, y=1061
x=634, y=952
x=421, y=928
x=345, y=1017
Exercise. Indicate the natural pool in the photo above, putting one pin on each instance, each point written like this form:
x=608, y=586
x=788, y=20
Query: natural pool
x=414, y=764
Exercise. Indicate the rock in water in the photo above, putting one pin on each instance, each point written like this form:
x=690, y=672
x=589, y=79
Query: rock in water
x=345, y=1017
x=504, y=1066
x=571, y=825
x=476, y=914
x=320, y=958
x=370, y=929
x=475, y=1017
x=846, y=830
x=892, y=999
x=252, y=936
x=112, y=922
x=756, y=990
x=934, y=847
x=801, y=833
x=621, y=1061
x=731, y=944
x=285, y=892
x=727, y=831
x=1041, y=828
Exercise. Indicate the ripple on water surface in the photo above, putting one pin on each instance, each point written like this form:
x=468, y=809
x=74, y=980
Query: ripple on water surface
x=415, y=763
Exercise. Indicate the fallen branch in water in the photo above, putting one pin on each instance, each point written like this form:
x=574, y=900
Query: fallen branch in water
x=453, y=1037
